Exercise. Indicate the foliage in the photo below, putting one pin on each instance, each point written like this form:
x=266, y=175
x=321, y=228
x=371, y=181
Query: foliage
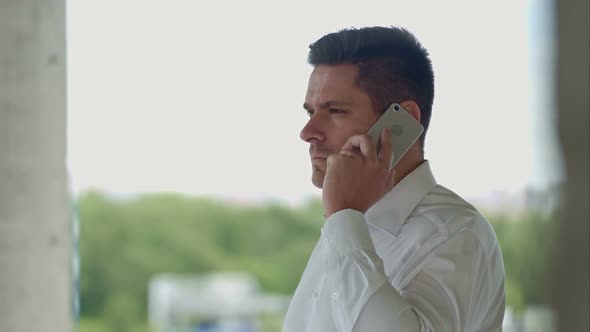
x=527, y=247
x=125, y=241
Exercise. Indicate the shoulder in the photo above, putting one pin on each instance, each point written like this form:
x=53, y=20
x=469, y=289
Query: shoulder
x=449, y=217
x=458, y=264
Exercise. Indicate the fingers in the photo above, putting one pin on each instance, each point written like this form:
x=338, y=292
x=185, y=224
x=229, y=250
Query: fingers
x=386, y=152
x=364, y=143
x=390, y=183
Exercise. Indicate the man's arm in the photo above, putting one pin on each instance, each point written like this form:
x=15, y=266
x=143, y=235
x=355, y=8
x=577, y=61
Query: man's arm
x=362, y=297
x=451, y=291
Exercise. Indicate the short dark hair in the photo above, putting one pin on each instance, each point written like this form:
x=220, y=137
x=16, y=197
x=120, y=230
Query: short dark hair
x=392, y=65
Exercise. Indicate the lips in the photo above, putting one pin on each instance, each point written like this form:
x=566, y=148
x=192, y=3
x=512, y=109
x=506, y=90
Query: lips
x=319, y=153
x=318, y=158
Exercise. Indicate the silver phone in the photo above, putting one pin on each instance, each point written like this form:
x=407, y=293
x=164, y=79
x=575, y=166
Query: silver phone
x=405, y=130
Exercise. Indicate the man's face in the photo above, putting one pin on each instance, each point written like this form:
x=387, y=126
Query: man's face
x=338, y=110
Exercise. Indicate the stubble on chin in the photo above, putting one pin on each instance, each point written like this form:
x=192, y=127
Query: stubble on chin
x=317, y=177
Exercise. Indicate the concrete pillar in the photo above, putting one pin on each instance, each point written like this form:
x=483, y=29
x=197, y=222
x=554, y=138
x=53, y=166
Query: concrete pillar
x=35, y=236
x=570, y=278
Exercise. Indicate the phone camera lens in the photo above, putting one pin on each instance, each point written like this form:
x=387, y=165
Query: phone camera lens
x=396, y=108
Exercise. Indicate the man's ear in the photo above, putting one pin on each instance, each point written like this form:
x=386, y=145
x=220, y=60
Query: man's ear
x=412, y=108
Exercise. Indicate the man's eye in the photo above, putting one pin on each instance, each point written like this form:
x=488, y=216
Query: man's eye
x=309, y=113
x=335, y=111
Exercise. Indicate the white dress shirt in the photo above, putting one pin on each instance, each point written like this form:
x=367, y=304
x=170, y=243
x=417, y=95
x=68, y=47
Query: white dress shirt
x=420, y=259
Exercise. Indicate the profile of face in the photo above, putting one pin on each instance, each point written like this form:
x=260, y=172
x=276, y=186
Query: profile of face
x=338, y=109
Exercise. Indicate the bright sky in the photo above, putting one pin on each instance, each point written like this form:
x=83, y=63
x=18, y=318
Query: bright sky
x=205, y=97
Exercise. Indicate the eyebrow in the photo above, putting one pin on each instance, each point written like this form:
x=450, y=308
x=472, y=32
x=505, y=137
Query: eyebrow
x=328, y=104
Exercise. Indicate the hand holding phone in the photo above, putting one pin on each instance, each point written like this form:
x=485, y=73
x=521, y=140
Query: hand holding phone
x=352, y=183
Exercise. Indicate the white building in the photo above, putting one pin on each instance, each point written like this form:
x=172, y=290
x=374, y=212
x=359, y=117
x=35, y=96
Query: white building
x=216, y=302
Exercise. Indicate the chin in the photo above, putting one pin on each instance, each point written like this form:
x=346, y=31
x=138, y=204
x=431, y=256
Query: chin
x=317, y=180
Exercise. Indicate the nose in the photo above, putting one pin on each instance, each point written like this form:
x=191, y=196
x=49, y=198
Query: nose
x=313, y=131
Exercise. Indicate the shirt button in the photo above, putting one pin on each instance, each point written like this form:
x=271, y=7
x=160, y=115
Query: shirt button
x=315, y=294
x=326, y=242
x=335, y=296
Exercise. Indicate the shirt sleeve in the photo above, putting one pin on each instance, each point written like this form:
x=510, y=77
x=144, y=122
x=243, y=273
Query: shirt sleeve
x=357, y=281
x=449, y=293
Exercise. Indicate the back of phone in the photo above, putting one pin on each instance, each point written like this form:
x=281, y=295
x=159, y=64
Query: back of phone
x=405, y=130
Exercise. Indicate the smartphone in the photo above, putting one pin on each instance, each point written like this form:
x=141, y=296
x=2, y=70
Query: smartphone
x=405, y=130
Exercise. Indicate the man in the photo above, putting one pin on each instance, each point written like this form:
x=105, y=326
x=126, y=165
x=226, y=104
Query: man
x=398, y=252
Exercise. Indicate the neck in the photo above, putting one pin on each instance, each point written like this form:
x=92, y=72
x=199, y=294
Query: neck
x=409, y=162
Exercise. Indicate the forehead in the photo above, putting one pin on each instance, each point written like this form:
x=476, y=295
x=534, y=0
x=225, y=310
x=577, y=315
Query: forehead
x=333, y=82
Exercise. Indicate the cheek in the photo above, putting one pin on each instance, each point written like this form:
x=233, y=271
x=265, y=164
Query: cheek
x=345, y=132
x=340, y=130
x=337, y=136
x=341, y=139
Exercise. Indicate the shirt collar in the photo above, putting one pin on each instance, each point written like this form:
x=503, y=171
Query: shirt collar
x=391, y=211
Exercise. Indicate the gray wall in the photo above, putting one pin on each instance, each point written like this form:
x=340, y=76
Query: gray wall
x=35, y=266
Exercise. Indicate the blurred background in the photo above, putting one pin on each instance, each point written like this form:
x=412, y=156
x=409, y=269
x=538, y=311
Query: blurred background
x=192, y=205
x=185, y=157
